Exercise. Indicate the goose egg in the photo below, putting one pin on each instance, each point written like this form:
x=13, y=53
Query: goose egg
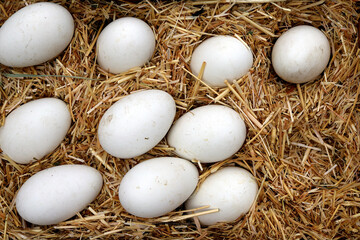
x=56, y=194
x=208, y=134
x=136, y=123
x=125, y=43
x=157, y=186
x=301, y=54
x=232, y=190
x=35, y=34
x=226, y=57
x=34, y=129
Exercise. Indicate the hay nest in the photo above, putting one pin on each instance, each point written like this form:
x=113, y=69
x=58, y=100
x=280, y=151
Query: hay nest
x=303, y=142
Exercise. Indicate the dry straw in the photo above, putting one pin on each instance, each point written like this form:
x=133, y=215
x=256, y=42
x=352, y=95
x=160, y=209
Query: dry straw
x=303, y=141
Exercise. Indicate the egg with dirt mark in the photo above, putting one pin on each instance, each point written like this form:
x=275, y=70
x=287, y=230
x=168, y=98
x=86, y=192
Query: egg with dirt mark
x=136, y=123
x=231, y=190
x=34, y=129
x=208, y=134
x=301, y=54
x=35, y=34
x=157, y=186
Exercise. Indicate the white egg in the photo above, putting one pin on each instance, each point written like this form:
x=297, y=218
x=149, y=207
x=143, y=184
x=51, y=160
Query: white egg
x=125, y=43
x=157, y=186
x=58, y=193
x=34, y=129
x=35, y=34
x=232, y=190
x=301, y=54
x=226, y=57
x=136, y=123
x=208, y=134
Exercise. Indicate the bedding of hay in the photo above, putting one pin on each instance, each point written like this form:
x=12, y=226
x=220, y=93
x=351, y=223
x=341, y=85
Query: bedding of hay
x=303, y=141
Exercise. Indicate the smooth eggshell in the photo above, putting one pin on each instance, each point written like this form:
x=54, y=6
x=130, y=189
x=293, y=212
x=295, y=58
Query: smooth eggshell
x=34, y=129
x=136, y=123
x=226, y=57
x=231, y=189
x=301, y=54
x=58, y=193
x=125, y=43
x=208, y=134
x=35, y=34
x=157, y=186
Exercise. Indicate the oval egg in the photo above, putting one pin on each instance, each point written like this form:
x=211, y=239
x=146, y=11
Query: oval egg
x=157, y=186
x=34, y=129
x=124, y=44
x=136, y=123
x=208, y=134
x=226, y=57
x=301, y=54
x=35, y=34
x=58, y=193
x=232, y=190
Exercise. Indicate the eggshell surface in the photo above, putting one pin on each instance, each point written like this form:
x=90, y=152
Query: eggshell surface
x=231, y=189
x=58, y=193
x=208, y=134
x=157, y=186
x=136, y=123
x=226, y=57
x=35, y=34
x=124, y=44
x=34, y=129
x=301, y=54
